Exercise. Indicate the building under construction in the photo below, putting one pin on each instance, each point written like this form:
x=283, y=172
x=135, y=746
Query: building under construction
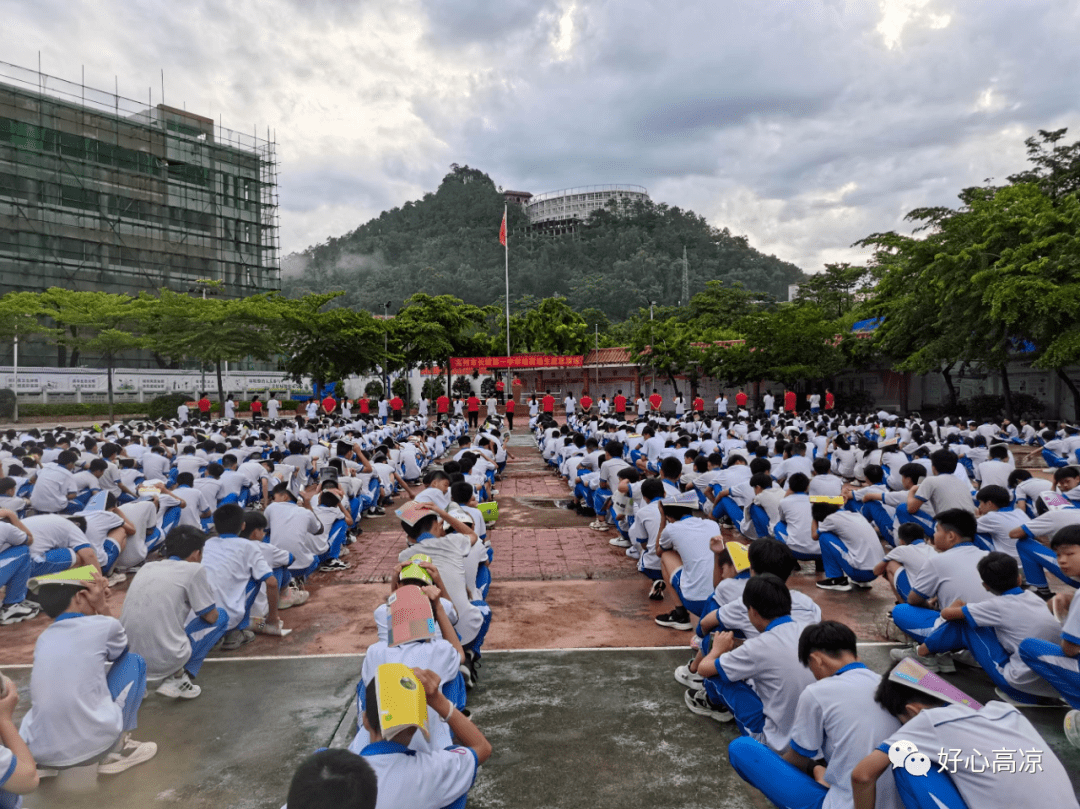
x=101, y=192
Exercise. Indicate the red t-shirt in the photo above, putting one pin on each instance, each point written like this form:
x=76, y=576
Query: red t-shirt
x=442, y=404
x=396, y=403
x=365, y=405
x=473, y=403
x=830, y=401
x=620, y=404
x=510, y=405
x=329, y=403
x=549, y=404
x=500, y=386
x=256, y=407
x=790, y=402
x=656, y=400
x=699, y=404
x=204, y=405
x=740, y=399
x=586, y=402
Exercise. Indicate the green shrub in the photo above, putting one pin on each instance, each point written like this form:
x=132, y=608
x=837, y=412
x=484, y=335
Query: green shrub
x=487, y=388
x=164, y=407
x=84, y=409
x=373, y=389
x=433, y=388
x=7, y=403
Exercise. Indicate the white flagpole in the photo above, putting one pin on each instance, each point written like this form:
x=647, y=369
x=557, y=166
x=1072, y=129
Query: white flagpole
x=509, y=387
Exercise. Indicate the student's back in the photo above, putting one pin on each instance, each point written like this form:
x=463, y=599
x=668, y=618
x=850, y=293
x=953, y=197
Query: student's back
x=231, y=565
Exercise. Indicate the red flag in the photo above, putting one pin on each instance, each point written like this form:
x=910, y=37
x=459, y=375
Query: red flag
x=502, y=231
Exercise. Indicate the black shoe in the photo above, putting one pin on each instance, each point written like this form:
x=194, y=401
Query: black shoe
x=678, y=618
x=585, y=511
x=839, y=583
x=657, y=591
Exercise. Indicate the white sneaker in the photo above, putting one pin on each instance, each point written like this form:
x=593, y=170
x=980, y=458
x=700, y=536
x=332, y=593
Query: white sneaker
x=634, y=552
x=16, y=613
x=942, y=663
x=619, y=542
x=179, y=687
x=691, y=679
x=116, y=577
x=132, y=753
x=292, y=597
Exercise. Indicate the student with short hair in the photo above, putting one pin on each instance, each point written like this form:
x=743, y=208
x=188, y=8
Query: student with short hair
x=931, y=726
x=836, y=720
x=757, y=684
x=55, y=485
x=686, y=558
x=156, y=613
x=59, y=544
x=294, y=528
x=333, y=779
x=942, y=491
x=902, y=563
x=996, y=519
x=79, y=713
x=850, y=548
x=1032, y=541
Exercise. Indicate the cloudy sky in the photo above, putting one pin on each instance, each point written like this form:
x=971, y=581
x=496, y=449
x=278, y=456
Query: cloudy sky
x=805, y=124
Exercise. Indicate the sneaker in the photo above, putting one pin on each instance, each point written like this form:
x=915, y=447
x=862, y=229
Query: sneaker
x=132, y=753
x=292, y=597
x=634, y=552
x=942, y=663
x=698, y=702
x=620, y=542
x=1072, y=728
x=657, y=591
x=691, y=679
x=678, y=618
x=116, y=577
x=839, y=583
x=179, y=687
x=598, y=525
x=862, y=585
x=16, y=613
x=333, y=565
x=236, y=638
x=1040, y=702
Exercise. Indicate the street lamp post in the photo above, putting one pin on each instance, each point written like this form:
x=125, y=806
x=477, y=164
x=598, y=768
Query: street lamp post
x=386, y=371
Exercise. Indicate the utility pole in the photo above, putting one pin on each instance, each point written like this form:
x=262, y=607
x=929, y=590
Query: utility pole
x=385, y=346
x=685, y=278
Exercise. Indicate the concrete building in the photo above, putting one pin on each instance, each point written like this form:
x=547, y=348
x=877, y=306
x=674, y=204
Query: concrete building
x=559, y=212
x=517, y=197
x=101, y=192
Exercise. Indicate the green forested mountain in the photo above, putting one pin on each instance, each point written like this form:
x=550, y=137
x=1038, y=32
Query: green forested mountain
x=447, y=243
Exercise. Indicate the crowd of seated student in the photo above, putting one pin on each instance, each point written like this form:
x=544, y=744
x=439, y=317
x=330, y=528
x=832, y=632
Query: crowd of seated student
x=963, y=538
x=221, y=524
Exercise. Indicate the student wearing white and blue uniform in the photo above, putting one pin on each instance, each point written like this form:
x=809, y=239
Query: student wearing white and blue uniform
x=850, y=547
x=18, y=770
x=758, y=684
x=836, y=720
x=236, y=569
x=969, y=780
x=14, y=569
x=1036, y=557
x=686, y=558
x=1059, y=663
x=794, y=526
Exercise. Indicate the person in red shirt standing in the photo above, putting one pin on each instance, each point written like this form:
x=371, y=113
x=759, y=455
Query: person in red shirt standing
x=510, y=404
x=548, y=404
x=365, y=406
x=620, y=406
x=656, y=401
x=442, y=408
x=500, y=387
x=472, y=404
x=740, y=399
x=586, y=403
x=256, y=408
x=329, y=405
x=830, y=400
x=204, y=408
x=791, y=403
x=395, y=407
x=699, y=405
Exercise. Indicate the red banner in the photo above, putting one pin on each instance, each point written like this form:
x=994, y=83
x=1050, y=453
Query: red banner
x=466, y=365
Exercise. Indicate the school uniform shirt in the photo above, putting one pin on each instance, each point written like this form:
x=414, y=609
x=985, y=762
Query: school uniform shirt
x=996, y=725
x=859, y=538
x=912, y=557
x=275, y=557
x=952, y=574
x=771, y=661
x=826, y=485
x=72, y=715
x=53, y=531
x=448, y=555
x=297, y=530
x=231, y=563
x=1048, y=524
x=195, y=505
x=382, y=619
x=837, y=719
x=689, y=537
x=161, y=597
x=795, y=512
x=1015, y=615
x=98, y=526
x=86, y=481
x=272, y=406
x=435, y=497
x=998, y=524
x=192, y=464
x=994, y=473
x=144, y=516
x=944, y=492
x=735, y=617
x=410, y=460
x=10, y=537
x=437, y=655
x=210, y=488
x=411, y=780
x=796, y=463
x=51, y=489
x=232, y=482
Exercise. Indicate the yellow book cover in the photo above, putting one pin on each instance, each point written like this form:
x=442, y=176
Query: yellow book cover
x=77, y=575
x=739, y=557
x=833, y=500
x=401, y=699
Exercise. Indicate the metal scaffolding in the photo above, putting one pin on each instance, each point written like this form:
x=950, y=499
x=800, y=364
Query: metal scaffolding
x=102, y=192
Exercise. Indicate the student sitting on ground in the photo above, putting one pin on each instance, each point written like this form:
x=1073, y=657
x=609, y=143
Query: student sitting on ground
x=759, y=683
x=902, y=563
x=963, y=779
x=79, y=714
x=794, y=520
x=850, y=547
x=294, y=528
x=156, y=613
x=836, y=720
x=333, y=778
x=15, y=567
x=686, y=558
x=18, y=770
